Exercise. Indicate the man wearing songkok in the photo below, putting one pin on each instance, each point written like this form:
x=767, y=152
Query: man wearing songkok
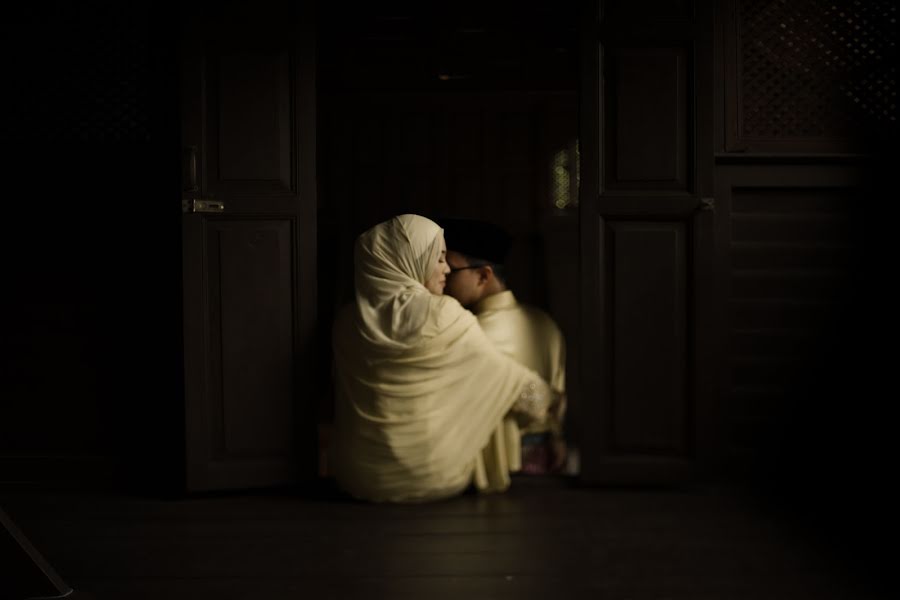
x=476, y=253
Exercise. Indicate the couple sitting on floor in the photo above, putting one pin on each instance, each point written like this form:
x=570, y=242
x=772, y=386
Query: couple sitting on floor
x=431, y=398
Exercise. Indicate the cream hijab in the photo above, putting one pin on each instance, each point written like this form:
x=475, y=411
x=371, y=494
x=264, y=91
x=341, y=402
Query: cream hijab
x=393, y=260
x=421, y=392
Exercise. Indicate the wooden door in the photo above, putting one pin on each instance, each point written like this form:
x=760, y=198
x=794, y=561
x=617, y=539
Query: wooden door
x=249, y=240
x=647, y=219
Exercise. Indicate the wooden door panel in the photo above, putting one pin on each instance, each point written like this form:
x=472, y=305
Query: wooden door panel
x=647, y=118
x=252, y=139
x=242, y=412
x=647, y=223
x=254, y=284
x=648, y=280
x=249, y=269
x=251, y=156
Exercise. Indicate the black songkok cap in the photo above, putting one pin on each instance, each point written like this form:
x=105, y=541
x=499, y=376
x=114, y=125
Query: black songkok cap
x=476, y=239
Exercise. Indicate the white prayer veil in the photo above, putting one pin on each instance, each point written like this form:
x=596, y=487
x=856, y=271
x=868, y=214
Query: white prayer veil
x=392, y=262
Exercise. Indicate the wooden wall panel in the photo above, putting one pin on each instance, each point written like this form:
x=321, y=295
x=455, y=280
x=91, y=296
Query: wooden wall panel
x=792, y=255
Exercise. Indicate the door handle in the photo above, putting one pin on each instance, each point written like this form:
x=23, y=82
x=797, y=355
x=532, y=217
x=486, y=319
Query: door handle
x=194, y=205
x=189, y=175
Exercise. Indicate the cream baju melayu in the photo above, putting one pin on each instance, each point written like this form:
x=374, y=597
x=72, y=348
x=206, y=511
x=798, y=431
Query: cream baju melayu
x=420, y=392
x=530, y=336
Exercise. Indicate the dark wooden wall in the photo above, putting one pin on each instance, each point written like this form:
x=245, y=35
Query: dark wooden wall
x=802, y=140
x=90, y=250
x=805, y=119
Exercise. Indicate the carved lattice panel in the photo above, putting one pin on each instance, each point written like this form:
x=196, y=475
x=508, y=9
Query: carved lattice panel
x=814, y=69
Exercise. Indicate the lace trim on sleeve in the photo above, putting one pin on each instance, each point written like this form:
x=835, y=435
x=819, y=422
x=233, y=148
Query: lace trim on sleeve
x=532, y=403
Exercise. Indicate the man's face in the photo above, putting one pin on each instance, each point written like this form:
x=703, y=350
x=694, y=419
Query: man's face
x=466, y=285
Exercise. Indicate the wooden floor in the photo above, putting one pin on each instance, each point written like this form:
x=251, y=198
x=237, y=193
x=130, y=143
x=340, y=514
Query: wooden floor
x=542, y=539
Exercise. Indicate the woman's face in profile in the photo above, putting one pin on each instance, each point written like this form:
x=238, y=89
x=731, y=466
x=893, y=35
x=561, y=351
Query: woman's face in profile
x=438, y=278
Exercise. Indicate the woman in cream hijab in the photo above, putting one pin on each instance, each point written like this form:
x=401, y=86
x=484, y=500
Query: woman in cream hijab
x=420, y=391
